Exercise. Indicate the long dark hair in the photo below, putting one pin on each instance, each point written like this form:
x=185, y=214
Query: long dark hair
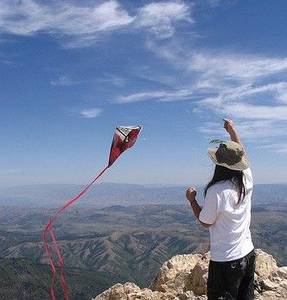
x=223, y=174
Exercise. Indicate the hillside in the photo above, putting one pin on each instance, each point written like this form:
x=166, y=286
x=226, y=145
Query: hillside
x=25, y=280
x=123, y=243
x=127, y=243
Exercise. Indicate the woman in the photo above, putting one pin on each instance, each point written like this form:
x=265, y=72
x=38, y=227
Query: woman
x=227, y=212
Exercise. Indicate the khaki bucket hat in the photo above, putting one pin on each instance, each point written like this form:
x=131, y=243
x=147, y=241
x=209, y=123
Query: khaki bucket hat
x=229, y=154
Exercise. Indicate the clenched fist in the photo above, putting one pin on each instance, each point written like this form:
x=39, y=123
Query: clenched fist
x=190, y=194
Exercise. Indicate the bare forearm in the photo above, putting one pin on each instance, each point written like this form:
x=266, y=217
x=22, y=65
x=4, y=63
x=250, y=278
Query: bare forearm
x=196, y=210
x=234, y=136
x=230, y=128
x=195, y=207
x=190, y=195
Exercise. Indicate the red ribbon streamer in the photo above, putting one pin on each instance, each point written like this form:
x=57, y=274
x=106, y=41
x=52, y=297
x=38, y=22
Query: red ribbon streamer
x=50, y=231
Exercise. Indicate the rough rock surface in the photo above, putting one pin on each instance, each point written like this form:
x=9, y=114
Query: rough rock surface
x=184, y=277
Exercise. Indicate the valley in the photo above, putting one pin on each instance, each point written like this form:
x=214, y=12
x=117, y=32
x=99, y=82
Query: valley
x=118, y=243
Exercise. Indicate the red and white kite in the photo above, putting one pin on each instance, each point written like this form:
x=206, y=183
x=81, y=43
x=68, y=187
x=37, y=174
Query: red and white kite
x=124, y=138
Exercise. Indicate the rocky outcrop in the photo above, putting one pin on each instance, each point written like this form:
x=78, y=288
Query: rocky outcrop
x=184, y=277
x=270, y=280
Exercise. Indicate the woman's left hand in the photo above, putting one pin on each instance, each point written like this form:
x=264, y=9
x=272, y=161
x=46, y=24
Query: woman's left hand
x=190, y=194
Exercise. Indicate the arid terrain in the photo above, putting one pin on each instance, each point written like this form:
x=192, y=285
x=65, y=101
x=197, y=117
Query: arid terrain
x=103, y=246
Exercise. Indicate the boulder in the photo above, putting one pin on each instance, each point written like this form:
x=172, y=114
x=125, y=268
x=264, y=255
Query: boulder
x=184, y=277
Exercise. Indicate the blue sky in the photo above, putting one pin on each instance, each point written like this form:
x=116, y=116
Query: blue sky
x=70, y=71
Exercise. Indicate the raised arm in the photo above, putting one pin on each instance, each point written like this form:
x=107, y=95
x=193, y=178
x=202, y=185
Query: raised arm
x=231, y=130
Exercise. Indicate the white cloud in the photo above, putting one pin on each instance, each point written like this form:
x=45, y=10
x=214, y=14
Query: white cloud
x=63, y=81
x=224, y=66
x=252, y=130
x=277, y=90
x=113, y=79
x=248, y=111
x=237, y=67
x=159, y=17
x=28, y=17
x=280, y=148
x=243, y=87
x=91, y=113
x=66, y=80
x=81, y=25
x=164, y=96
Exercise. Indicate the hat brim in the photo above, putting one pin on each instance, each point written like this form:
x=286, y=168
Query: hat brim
x=240, y=166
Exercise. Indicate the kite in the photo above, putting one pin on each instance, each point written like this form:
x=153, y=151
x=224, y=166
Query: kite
x=124, y=138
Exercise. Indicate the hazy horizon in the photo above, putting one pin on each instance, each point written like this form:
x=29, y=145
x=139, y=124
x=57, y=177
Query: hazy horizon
x=155, y=185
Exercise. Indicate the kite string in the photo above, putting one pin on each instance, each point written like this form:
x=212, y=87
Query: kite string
x=49, y=229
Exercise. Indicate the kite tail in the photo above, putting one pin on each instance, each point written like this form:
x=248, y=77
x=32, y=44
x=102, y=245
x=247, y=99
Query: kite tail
x=60, y=264
x=49, y=230
x=51, y=263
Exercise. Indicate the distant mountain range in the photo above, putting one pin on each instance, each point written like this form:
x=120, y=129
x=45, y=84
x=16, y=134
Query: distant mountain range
x=128, y=243
x=117, y=233
x=107, y=194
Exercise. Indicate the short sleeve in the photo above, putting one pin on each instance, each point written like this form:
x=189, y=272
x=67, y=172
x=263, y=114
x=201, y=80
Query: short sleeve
x=248, y=178
x=209, y=211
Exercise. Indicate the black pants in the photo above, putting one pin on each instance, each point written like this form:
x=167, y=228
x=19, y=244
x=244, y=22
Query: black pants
x=232, y=280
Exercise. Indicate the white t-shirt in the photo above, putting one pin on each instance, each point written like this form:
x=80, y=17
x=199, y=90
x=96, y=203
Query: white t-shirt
x=230, y=236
